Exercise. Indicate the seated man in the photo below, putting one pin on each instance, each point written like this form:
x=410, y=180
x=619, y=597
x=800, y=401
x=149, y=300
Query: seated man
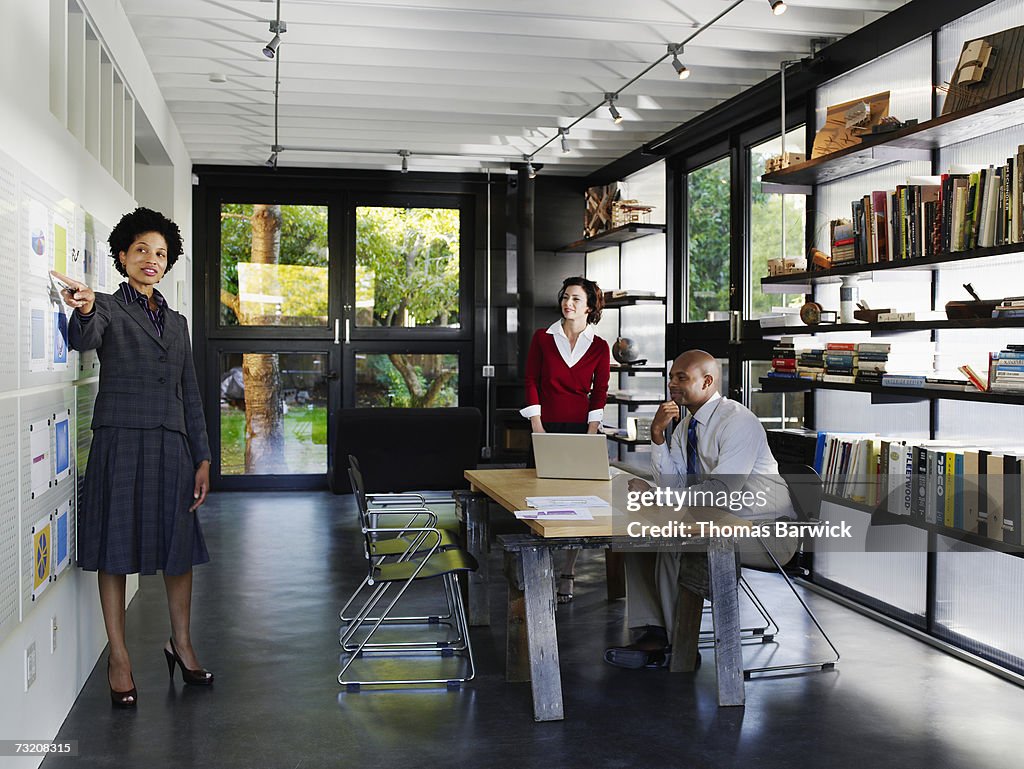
x=719, y=445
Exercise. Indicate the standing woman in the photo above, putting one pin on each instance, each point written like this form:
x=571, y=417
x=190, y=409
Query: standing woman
x=567, y=383
x=149, y=465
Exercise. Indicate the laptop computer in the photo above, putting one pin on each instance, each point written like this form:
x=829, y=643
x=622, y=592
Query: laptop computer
x=571, y=456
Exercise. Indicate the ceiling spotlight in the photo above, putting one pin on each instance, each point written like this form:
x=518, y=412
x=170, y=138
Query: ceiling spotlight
x=681, y=69
x=270, y=49
x=271, y=161
x=778, y=7
x=404, y=155
x=530, y=170
x=565, y=141
x=277, y=27
x=610, y=99
x=218, y=77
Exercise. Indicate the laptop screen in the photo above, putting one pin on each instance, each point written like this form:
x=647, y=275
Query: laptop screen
x=571, y=456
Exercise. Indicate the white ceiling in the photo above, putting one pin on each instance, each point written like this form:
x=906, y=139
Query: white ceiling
x=487, y=80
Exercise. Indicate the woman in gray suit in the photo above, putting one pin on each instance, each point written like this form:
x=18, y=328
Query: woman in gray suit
x=149, y=464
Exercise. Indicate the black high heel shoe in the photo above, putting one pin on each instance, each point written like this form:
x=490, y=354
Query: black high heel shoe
x=200, y=677
x=128, y=699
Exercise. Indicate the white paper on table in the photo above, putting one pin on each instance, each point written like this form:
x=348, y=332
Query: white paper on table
x=548, y=502
x=555, y=514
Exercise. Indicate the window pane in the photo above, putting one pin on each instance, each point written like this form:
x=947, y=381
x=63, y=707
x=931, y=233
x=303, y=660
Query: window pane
x=273, y=265
x=775, y=410
x=402, y=380
x=280, y=399
x=708, y=231
x=407, y=267
x=776, y=225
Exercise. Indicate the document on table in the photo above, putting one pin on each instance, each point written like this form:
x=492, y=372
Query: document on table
x=550, y=502
x=555, y=514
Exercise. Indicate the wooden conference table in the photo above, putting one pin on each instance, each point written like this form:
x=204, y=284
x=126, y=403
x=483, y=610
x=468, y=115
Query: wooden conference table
x=532, y=645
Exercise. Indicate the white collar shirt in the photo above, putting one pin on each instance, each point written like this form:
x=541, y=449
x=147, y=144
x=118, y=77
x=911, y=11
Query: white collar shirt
x=733, y=454
x=583, y=341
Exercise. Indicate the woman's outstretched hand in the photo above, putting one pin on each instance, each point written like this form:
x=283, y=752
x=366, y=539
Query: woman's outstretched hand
x=75, y=293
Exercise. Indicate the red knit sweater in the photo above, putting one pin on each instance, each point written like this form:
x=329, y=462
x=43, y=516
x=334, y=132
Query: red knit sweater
x=566, y=394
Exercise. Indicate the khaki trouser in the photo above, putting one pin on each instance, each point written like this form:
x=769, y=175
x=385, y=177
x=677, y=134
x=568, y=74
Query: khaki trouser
x=652, y=579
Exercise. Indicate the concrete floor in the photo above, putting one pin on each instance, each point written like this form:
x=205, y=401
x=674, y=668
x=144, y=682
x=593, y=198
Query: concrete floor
x=265, y=620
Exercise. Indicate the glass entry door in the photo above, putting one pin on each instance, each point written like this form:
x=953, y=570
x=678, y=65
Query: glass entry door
x=322, y=305
x=405, y=319
x=274, y=356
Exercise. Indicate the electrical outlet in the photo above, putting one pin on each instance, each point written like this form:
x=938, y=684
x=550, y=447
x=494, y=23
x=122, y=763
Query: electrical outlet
x=488, y=372
x=30, y=665
x=53, y=634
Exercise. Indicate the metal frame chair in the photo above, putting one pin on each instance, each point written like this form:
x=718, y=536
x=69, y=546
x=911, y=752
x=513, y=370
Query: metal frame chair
x=805, y=492
x=421, y=558
x=393, y=546
x=762, y=634
x=420, y=566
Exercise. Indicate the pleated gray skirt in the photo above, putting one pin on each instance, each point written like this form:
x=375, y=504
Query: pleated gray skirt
x=134, y=516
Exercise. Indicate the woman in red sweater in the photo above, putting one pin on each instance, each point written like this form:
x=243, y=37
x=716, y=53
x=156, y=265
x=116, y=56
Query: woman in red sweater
x=567, y=382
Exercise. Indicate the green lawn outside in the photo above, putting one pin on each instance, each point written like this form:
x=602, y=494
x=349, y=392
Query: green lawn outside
x=305, y=442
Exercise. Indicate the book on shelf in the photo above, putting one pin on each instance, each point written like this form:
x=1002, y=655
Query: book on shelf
x=842, y=239
x=1006, y=371
x=839, y=378
x=931, y=216
x=626, y=293
x=903, y=380
x=972, y=376
x=953, y=485
x=895, y=317
x=947, y=383
x=863, y=347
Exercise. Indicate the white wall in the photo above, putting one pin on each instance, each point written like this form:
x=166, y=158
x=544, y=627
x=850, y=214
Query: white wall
x=39, y=142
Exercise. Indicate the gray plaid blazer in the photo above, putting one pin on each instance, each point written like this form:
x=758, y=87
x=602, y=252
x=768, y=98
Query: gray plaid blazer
x=145, y=380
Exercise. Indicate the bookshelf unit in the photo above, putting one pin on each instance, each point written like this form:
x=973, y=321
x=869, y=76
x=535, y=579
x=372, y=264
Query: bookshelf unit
x=910, y=143
x=925, y=583
x=630, y=404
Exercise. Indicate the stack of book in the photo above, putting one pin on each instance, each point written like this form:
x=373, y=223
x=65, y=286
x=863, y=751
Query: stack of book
x=1006, y=370
x=783, y=359
x=840, y=362
x=872, y=362
x=1010, y=307
x=843, y=242
x=930, y=216
x=810, y=363
x=899, y=364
